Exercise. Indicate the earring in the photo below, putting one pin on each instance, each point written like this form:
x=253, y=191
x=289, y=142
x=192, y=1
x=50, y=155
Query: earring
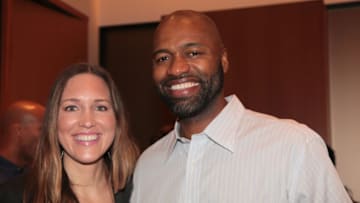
x=61, y=154
x=109, y=155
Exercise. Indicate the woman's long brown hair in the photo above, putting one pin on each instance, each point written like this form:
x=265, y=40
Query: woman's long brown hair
x=47, y=181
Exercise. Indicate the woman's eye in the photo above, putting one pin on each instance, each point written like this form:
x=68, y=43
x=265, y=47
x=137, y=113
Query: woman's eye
x=70, y=108
x=102, y=108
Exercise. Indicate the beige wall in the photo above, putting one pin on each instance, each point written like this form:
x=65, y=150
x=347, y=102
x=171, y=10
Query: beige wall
x=344, y=54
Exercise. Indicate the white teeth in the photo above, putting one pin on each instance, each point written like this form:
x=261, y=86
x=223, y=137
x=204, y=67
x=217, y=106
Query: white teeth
x=86, y=138
x=183, y=85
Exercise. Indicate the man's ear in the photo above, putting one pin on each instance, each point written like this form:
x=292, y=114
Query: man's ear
x=224, y=61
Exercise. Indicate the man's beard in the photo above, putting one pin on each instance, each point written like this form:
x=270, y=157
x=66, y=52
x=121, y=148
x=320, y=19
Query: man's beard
x=188, y=107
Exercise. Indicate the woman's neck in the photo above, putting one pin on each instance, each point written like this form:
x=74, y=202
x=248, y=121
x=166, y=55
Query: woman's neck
x=89, y=182
x=85, y=174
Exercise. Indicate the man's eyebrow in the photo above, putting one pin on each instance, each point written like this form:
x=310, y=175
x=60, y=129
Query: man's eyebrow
x=160, y=51
x=187, y=45
x=192, y=44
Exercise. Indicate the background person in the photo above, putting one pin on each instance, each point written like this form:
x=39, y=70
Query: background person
x=332, y=156
x=219, y=151
x=20, y=130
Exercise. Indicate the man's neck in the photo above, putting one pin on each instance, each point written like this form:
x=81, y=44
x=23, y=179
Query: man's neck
x=198, y=123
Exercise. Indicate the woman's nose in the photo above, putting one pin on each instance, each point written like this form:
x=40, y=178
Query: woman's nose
x=87, y=119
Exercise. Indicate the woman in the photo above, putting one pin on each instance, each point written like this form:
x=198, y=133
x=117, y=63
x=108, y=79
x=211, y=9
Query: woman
x=85, y=153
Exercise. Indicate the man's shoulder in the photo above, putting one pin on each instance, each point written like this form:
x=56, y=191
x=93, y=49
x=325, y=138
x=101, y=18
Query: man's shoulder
x=160, y=147
x=277, y=126
x=5, y=163
x=154, y=156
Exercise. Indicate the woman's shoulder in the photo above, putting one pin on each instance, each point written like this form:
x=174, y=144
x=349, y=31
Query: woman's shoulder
x=123, y=196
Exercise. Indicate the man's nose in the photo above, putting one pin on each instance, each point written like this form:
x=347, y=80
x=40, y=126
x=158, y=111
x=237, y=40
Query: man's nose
x=178, y=66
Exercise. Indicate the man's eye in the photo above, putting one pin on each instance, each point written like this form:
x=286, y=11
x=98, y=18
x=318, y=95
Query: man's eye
x=161, y=59
x=102, y=108
x=70, y=108
x=194, y=53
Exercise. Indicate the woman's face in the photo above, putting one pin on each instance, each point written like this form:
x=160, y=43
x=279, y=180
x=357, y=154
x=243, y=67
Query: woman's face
x=86, y=122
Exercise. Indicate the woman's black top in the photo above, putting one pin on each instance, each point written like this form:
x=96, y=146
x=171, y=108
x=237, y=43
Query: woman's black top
x=12, y=191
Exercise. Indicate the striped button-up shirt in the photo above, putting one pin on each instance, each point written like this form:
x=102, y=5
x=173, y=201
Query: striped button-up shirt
x=241, y=157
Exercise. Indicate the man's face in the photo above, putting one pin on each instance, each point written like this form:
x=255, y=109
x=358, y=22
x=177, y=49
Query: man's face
x=187, y=66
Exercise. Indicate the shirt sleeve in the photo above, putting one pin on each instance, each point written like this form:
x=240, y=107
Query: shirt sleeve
x=313, y=177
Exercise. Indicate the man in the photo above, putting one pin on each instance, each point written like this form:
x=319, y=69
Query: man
x=219, y=151
x=20, y=130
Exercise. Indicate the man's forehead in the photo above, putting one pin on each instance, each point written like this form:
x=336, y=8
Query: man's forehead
x=188, y=23
x=186, y=20
x=185, y=30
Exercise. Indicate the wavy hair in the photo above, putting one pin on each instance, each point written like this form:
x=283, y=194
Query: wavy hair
x=48, y=182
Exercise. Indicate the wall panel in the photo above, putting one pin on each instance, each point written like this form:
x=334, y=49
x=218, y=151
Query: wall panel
x=43, y=39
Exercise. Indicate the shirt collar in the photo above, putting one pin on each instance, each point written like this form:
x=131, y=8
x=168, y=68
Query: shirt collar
x=222, y=130
x=174, y=137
